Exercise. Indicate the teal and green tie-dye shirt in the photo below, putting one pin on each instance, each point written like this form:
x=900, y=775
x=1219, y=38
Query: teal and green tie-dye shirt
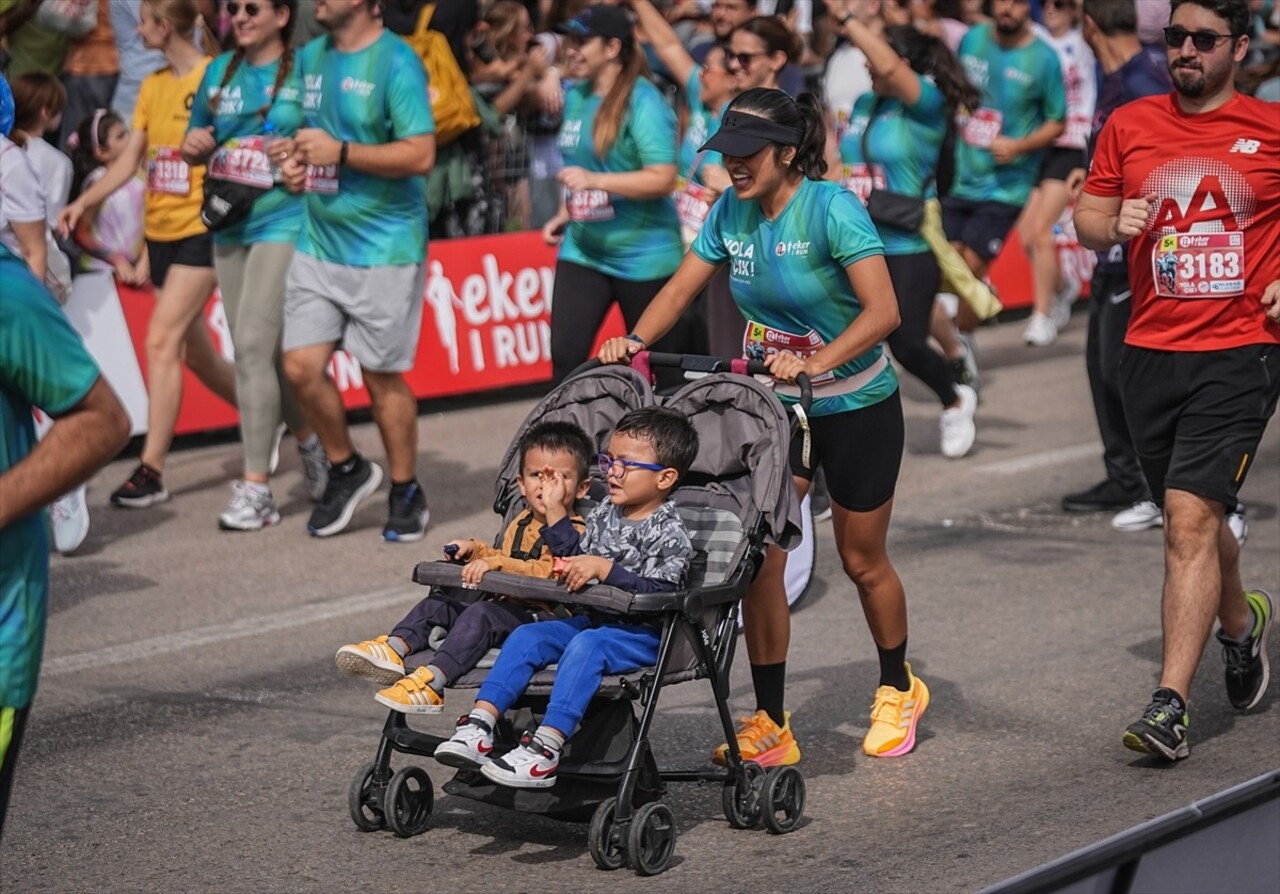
x=43, y=363
x=376, y=95
x=633, y=239
x=702, y=126
x=904, y=142
x=1021, y=90
x=277, y=214
x=788, y=277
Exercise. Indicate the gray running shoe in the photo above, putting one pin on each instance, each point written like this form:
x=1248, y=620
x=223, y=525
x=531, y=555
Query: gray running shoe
x=250, y=509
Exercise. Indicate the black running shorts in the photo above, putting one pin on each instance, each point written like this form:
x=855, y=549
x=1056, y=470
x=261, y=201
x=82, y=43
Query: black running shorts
x=1197, y=417
x=1059, y=162
x=860, y=451
x=982, y=226
x=194, y=251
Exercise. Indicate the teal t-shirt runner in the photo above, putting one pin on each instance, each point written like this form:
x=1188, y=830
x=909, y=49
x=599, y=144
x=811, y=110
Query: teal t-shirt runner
x=788, y=278
x=1021, y=90
x=376, y=95
x=277, y=214
x=903, y=143
x=630, y=239
x=42, y=362
x=702, y=125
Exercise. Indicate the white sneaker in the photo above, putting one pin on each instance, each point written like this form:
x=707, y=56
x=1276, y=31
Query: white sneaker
x=1041, y=331
x=1064, y=301
x=529, y=765
x=315, y=468
x=956, y=424
x=1238, y=524
x=250, y=509
x=69, y=517
x=1141, y=516
x=469, y=747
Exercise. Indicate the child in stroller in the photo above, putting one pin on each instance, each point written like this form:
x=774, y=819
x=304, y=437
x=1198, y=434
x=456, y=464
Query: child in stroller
x=554, y=473
x=634, y=541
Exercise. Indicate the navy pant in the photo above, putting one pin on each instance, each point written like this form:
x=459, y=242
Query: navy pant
x=474, y=628
x=583, y=652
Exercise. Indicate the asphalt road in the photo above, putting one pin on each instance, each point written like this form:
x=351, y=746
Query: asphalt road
x=191, y=732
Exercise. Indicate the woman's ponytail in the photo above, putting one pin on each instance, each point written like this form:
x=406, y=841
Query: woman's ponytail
x=811, y=154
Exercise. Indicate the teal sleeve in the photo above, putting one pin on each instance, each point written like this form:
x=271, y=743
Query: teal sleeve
x=201, y=114
x=850, y=233
x=41, y=356
x=931, y=106
x=654, y=129
x=693, y=89
x=708, y=245
x=407, y=97
x=1055, y=94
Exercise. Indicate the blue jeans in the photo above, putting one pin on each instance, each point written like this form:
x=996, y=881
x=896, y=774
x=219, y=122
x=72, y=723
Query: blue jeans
x=584, y=651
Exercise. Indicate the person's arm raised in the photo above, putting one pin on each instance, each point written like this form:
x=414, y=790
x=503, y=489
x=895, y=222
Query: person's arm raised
x=887, y=65
x=664, y=40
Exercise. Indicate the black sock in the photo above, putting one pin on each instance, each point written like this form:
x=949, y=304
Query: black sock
x=1165, y=694
x=893, y=667
x=770, y=682
x=399, y=489
x=343, y=469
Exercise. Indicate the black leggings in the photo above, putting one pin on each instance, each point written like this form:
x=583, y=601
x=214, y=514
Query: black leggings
x=915, y=280
x=581, y=299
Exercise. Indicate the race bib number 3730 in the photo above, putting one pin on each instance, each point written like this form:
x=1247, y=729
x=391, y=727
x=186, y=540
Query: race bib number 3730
x=1199, y=265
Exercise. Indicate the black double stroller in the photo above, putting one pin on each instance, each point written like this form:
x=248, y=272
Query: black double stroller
x=736, y=499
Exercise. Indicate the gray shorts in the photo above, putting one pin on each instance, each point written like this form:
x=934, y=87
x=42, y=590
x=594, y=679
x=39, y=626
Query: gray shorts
x=375, y=313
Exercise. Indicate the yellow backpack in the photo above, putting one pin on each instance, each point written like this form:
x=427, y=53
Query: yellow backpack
x=451, y=104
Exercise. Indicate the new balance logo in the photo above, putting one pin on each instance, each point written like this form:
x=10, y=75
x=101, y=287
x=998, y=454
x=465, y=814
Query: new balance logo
x=1247, y=147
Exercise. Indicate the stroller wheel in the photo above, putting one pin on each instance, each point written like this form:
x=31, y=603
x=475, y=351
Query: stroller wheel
x=606, y=846
x=364, y=800
x=741, y=797
x=651, y=840
x=409, y=800
x=782, y=799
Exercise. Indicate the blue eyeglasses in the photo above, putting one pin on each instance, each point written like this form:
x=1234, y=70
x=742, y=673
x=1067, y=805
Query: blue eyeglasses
x=619, y=467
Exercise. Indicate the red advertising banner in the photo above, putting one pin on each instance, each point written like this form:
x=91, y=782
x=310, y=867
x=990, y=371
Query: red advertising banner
x=486, y=325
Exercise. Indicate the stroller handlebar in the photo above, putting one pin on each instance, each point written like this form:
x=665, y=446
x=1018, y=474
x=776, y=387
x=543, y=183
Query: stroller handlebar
x=698, y=363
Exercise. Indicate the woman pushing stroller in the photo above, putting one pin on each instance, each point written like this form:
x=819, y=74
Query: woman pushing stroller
x=807, y=270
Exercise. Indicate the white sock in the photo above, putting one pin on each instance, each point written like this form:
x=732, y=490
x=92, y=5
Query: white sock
x=488, y=718
x=550, y=738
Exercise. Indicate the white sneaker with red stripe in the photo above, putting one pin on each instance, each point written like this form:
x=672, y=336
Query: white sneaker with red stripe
x=470, y=745
x=529, y=765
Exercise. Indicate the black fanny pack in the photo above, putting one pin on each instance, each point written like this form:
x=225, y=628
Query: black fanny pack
x=227, y=203
x=893, y=209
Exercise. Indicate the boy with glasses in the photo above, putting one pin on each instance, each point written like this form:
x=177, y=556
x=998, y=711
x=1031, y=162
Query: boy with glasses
x=635, y=541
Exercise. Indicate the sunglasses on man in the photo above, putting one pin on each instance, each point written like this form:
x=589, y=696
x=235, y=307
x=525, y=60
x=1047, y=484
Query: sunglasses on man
x=1203, y=41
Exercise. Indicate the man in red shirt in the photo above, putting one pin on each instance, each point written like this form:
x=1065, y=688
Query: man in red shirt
x=1191, y=181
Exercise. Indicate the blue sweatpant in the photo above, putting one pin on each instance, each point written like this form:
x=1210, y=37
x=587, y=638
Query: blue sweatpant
x=584, y=652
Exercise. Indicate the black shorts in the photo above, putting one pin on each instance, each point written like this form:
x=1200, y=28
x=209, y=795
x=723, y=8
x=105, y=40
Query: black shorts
x=860, y=451
x=982, y=226
x=1059, y=162
x=1197, y=417
x=194, y=251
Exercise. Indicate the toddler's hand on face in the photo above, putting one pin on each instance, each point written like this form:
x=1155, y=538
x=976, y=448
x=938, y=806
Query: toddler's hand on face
x=554, y=487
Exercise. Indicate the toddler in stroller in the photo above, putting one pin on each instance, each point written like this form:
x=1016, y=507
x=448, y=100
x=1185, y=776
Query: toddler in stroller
x=555, y=461
x=635, y=541
x=734, y=500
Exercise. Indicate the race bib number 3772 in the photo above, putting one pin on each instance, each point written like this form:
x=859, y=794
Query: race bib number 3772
x=1199, y=265
x=243, y=160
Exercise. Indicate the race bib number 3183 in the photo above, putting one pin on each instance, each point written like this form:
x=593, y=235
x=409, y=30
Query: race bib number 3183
x=1199, y=265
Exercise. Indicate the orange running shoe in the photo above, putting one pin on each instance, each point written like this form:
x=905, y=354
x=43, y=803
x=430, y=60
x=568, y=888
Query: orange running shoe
x=894, y=716
x=763, y=741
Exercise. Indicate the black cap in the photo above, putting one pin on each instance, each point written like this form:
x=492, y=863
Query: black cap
x=742, y=135
x=600, y=21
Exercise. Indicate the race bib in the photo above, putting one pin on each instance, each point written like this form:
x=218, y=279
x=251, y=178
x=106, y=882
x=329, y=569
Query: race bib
x=861, y=179
x=1199, y=265
x=588, y=205
x=243, y=160
x=759, y=341
x=167, y=173
x=982, y=128
x=693, y=203
x=322, y=179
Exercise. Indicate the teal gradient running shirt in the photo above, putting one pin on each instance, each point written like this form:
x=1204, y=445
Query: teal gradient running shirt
x=903, y=143
x=42, y=363
x=702, y=125
x=788, y=278
x=276, y=215
x=631, y=239
x=376, y=95
x=1021, y=90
